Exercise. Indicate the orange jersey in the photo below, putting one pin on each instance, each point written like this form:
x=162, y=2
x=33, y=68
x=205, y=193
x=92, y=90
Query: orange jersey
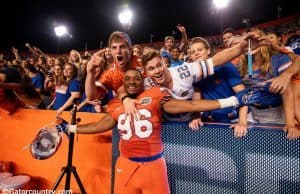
x=113, y=78
x=140, y=138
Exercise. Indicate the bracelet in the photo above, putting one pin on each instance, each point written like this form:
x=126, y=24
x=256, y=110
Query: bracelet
x=124, y=97
x=72, y=128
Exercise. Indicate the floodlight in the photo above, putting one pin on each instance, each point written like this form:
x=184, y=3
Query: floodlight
x=125, y=16
x=220, y=4
x=60, y=30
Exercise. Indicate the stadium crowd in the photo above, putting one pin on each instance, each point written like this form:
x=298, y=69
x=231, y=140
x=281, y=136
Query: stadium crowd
x=270, y=94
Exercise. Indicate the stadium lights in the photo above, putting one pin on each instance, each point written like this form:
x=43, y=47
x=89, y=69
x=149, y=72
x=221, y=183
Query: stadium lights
x=60, y=31
x=220, y=4
x=125, y=16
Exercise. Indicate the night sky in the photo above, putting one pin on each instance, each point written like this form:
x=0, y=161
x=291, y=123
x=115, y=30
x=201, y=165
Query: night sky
x=91, y=21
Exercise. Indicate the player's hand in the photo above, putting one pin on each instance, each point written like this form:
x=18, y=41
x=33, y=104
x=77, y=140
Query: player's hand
x=97, y=60
x=239, y=130
x=196, y=124
x=62, y=125
x=130, y=108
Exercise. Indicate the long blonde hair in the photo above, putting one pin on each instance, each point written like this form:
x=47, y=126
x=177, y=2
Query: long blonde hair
x=265, y=67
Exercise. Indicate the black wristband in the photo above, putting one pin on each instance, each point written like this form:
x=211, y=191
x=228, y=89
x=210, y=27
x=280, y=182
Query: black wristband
x=124, y=97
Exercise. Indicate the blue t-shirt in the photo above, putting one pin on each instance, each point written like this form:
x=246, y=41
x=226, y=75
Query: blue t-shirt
x=62, y=94
x=37, y=81
x=87, y=107
x=261, y=96
x=280, y=62
x=90, y=107
x=219, y=86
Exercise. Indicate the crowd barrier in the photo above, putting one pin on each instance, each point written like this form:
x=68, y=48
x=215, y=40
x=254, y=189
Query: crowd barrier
x=211, y=160
x=92, y=153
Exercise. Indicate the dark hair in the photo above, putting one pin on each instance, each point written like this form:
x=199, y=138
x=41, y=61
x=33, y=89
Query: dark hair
x=138, y=71
x=31, y=68
x=228, y=30
x=175, y=47
x=149, y=56
x=12, y=75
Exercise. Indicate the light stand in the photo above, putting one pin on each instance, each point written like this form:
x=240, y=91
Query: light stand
x=67, y=170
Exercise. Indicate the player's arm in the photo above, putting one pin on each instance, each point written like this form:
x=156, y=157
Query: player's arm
x=106, y=123
x=181, y=106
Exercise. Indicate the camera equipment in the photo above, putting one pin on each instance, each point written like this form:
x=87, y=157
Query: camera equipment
x=67, y=170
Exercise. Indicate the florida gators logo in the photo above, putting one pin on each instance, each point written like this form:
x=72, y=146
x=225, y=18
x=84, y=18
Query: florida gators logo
x=185, y=93
x=145, y=101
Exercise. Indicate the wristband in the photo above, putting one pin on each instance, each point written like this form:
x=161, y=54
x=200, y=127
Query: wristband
x=124, y=97
x=72, y=128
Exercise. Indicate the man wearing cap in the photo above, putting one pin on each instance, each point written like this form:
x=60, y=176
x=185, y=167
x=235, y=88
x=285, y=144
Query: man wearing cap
x=112, y=79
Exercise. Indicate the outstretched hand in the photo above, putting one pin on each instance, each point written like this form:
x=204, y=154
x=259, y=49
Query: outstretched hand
x=62, y=125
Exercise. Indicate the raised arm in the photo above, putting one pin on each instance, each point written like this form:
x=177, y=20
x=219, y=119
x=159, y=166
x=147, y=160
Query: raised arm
x=16, y=53
x=228, y=54
x=91, y=89
x=184, y=37
x=38, y=50
x=34, y=52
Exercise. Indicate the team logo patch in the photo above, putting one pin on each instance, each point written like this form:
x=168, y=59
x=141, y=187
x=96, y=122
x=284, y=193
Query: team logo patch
x=146, y=100
x=185, y=93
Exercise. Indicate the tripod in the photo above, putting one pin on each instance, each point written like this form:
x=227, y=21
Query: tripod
x=67, y=170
